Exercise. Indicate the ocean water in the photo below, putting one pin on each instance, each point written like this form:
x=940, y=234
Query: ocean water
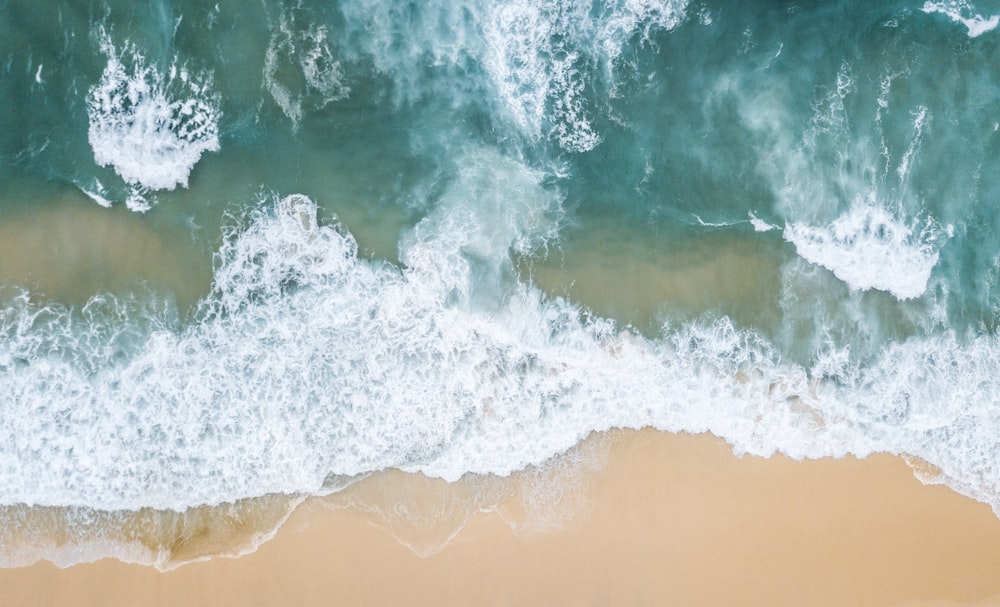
x=254, y=252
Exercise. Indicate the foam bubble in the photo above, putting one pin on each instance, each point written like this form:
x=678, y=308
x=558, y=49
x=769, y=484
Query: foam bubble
x=868, y=248
x=962, y=12
x=151, y=127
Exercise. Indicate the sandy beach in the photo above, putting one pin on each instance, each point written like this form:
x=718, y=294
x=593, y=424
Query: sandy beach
x=671, y=519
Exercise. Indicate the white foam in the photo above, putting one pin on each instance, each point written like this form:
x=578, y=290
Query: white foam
x=151, y=127
x=705, y=16
x=859, y=185
x=540, y=58
x=96, y=193
x=515, y=58
x=309, y=363
x=919, y=122
x=868, y=248
x=759, y=225
x=541, y=76
x=962, y=12
x=309, y=52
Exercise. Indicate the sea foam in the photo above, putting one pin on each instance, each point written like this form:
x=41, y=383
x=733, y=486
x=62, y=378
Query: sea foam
x=539, y=57
x=541, y=60
x=306, y=52
x=849, y=203
x=309, y=364
x=868, y=248
x=961, y=12
x=150, y=125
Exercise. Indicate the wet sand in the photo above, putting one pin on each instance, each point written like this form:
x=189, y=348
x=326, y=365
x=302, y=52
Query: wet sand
x=672, y=519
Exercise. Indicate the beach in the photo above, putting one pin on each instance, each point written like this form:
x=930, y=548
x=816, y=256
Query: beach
x=673, y=519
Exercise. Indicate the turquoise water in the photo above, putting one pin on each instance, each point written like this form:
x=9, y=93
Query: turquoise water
x=251, y=250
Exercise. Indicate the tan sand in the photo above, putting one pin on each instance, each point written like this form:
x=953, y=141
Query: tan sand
x=675, y=520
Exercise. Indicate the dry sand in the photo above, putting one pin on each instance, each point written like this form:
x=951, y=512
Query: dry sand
x=675, y=520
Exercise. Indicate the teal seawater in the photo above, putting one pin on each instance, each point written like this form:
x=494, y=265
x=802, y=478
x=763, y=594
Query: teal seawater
x=249, y=249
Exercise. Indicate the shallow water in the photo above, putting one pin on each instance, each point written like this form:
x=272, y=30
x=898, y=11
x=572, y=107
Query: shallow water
x=251, y=251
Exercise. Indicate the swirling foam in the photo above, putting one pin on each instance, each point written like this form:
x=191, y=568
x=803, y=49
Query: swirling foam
x=539, y=58
x=306, y=52
x=151, y=127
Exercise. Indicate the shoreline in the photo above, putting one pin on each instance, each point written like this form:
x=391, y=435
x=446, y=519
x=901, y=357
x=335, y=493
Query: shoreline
x=669, y=519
